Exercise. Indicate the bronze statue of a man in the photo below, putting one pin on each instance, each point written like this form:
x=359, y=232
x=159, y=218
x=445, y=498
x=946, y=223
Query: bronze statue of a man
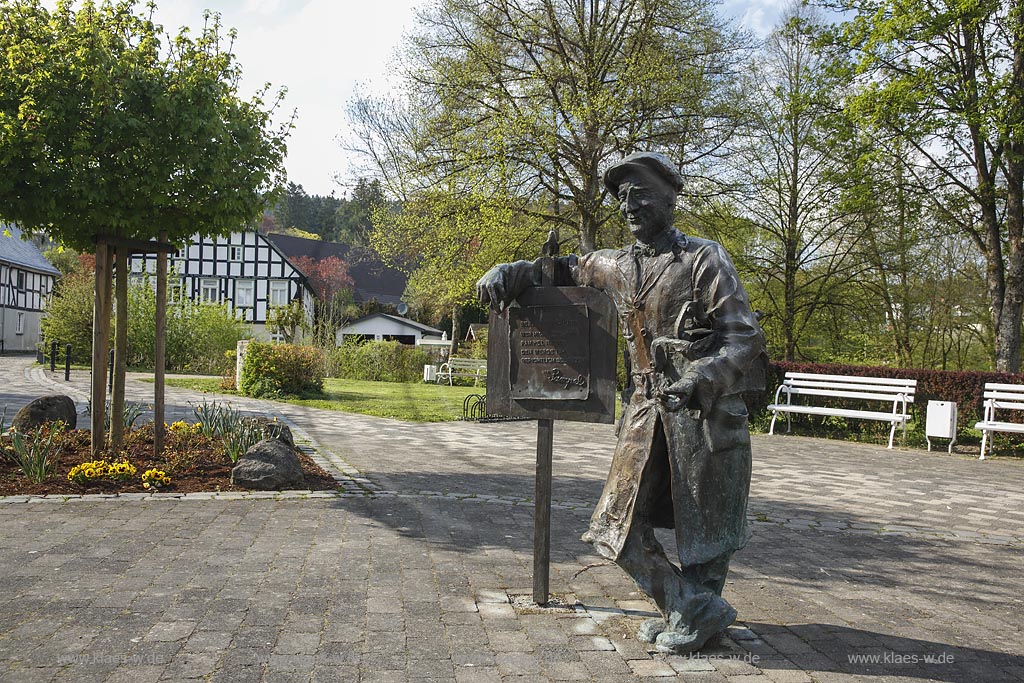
x=682, y=459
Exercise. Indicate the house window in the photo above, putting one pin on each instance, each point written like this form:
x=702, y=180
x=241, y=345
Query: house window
x=175, y=290
x=19, y=327
x=234, y=253
x=210, y=290
x=244, y=293
x=21, y=282
x=278, y=293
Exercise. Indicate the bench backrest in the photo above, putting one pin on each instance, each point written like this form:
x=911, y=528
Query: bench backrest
x=1004, y=395
x=842, y=386
x=467, y=364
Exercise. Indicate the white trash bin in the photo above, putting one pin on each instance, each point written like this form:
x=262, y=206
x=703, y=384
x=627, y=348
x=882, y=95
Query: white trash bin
x=940, y=422
x=429, y=373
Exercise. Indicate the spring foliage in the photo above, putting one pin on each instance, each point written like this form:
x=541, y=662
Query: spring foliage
x=110, y=125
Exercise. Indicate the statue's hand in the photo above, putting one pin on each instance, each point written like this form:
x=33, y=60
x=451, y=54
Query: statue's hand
x=691, y=390
x=493, y=289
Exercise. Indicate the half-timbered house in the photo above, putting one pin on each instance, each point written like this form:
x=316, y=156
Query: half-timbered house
x=243, y=270
x=26, y=281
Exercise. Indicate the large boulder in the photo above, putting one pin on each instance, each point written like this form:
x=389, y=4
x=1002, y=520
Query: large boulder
x=270, y=465
x=46, y=409
x=275, y=429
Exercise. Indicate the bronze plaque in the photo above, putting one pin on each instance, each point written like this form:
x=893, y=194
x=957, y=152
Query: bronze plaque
x=549, y=352
x=552, y=356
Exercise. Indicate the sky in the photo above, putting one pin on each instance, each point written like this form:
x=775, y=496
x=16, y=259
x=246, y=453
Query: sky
x=322, y=50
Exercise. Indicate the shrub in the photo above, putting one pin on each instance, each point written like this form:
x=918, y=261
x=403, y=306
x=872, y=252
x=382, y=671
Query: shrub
x=379, y=361
x=184, y=444
x=282, y=370
x=68, y=318
x=198, y=334
x=227, y=376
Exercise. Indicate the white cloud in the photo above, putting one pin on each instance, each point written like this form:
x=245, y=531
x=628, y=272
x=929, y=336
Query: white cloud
x=319, y=50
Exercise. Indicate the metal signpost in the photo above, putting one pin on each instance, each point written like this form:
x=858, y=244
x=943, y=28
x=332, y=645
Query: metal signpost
x=551, y=355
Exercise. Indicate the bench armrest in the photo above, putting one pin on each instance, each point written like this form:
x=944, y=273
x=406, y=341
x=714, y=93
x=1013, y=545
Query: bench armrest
x=779, y=391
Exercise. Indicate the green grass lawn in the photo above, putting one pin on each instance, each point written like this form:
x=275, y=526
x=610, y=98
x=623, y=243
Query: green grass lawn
x=411, y=402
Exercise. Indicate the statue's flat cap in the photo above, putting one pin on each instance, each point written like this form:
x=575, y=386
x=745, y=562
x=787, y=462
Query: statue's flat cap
x=643, y=161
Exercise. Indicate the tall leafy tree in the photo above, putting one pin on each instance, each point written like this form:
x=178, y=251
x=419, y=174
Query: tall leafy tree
x=354, y=219
x=530, y=99
x=947, y=79
x=111, y=128
x=784, y=165
x=298, y=212
x=332, y=284
x=446, y=241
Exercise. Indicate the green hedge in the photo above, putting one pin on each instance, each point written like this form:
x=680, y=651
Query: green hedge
x=271, y=370
x=378, y=361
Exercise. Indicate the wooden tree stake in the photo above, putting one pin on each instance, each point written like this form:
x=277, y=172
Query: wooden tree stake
x=100, y=341
x=160, y=349
x=120, y=347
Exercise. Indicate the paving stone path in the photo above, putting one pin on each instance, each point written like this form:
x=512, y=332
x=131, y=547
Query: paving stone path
x=865, y=565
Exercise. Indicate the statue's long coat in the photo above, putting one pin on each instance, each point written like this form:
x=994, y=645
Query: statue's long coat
x=695, y=466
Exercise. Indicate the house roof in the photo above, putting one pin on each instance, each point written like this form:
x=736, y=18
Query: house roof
x=475, y=329
x=425, y=329
x=22, y=253
x=373, y=279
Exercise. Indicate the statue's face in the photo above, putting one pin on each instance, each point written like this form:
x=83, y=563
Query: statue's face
x=647, y=203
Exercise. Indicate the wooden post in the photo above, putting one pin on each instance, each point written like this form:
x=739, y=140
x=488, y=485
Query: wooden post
x=100, y=341
x=120, y=348
x=542, y=511
x=160, y=349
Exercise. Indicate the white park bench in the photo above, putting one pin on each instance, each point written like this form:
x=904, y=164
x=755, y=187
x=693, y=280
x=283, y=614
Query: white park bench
x=797, y=385
x=462, y=367
x=1000, y=397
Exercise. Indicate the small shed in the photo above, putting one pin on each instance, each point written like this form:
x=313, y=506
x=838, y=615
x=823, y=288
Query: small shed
x=385, y=327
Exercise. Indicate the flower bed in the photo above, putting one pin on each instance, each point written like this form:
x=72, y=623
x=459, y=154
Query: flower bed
x=191, y=462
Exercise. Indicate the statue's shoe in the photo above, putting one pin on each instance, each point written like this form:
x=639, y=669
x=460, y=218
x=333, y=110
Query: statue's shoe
x=713, y=618
x=650, y=630
x=588, y=536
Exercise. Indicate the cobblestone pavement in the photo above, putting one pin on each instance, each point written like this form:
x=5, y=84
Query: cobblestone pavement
x=865, y=565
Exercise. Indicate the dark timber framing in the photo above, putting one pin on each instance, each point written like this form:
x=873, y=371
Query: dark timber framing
x=210, y=260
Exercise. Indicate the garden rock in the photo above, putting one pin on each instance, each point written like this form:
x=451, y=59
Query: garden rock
x=275, y=429
x=46, y=409
x=270, y=465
